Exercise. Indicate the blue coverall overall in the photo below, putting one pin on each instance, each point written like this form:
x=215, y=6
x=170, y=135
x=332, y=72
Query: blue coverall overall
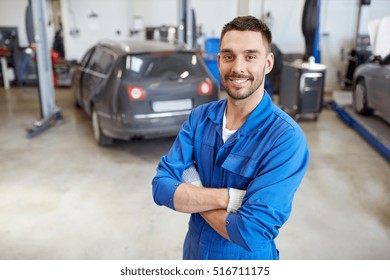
x=267, y=156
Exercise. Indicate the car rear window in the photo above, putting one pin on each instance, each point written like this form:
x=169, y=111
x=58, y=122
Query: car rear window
x=163, y=66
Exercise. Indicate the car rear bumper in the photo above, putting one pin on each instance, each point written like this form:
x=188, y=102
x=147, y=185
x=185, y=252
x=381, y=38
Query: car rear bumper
x=144, y=126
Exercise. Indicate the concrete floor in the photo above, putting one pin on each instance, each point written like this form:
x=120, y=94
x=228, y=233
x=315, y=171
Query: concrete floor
x=63, y=197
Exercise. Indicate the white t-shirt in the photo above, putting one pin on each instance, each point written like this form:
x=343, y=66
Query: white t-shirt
x=226, y=133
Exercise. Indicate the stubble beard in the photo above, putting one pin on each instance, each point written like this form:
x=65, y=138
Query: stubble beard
x=240, y=94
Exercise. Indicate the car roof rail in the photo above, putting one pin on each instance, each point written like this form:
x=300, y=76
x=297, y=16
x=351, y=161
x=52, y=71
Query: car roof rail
x=128, y=46
x=113, y=43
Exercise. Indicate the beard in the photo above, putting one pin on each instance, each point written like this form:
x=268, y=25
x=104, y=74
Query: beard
x=241, y=93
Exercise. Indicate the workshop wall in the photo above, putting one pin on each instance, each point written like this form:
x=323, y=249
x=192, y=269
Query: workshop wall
x=88, y=21
x=12, y=13
x=82, y=31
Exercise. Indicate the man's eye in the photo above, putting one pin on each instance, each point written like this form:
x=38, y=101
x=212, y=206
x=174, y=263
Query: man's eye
x=251, y=57
x=228, y=57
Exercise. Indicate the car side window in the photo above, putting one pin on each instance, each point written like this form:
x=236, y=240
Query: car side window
x=102, y=61
x=86, y=58
x=106, y=61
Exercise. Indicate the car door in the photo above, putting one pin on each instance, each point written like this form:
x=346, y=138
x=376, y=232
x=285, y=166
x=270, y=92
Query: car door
x=379, y=89
x=108, y=80
x=95, y=75
x=78, y=76
x=383, y=91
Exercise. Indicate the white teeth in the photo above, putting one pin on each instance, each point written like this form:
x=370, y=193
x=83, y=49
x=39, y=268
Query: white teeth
x=239, y=81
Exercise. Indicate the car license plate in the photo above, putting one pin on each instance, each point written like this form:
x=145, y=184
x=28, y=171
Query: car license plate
x=172, y=105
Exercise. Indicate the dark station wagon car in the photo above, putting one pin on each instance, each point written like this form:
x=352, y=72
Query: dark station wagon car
x=140, y=89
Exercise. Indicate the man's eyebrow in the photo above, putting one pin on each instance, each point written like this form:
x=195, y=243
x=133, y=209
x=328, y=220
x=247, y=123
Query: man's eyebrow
x=226, y=51
x=247, y=51
x=252, y=51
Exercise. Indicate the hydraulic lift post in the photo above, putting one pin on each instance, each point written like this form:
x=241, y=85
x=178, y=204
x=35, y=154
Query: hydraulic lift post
x=182, y=21
x=50, y=113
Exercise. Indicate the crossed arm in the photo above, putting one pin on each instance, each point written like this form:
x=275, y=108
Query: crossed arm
x=193, y=199
x=213, y=204
x=210, y=203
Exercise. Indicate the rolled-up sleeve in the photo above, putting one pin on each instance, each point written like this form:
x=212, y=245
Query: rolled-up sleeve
x=268, y=201
x=164, y=190
x=172, y=165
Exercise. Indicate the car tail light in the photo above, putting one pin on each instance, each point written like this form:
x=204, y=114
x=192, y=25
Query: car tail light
x=205, y=88
x=200, y=52
x=136, y=93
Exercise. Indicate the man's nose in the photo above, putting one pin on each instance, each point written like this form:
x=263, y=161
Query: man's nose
x=238, y=65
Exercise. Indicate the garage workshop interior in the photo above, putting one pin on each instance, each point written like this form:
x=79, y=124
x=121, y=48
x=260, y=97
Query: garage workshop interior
x=93, y=93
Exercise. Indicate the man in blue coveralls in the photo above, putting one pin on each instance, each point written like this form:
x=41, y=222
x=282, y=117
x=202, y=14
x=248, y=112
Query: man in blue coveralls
x=237, y=162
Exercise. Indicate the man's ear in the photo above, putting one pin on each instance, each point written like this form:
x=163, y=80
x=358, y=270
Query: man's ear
x=269, y=62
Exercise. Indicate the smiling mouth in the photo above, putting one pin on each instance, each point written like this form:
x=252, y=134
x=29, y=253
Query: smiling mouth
x=239, y=81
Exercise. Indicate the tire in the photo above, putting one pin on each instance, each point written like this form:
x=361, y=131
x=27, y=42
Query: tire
x=100, y=138
x=360, y=98
x=76, y=101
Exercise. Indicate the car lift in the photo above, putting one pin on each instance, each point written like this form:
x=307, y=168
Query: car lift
x=375, y=130
x=186, y=24
x=36, y=22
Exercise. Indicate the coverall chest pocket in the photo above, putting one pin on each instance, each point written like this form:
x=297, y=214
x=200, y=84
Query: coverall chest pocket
x=241, y=171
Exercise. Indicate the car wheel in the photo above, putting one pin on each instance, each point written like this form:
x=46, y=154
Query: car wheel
x=77, y=103
x=100, y=138
x=360, y=98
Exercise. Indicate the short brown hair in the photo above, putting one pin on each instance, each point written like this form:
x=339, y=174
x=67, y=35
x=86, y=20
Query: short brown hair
x=249, y=23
